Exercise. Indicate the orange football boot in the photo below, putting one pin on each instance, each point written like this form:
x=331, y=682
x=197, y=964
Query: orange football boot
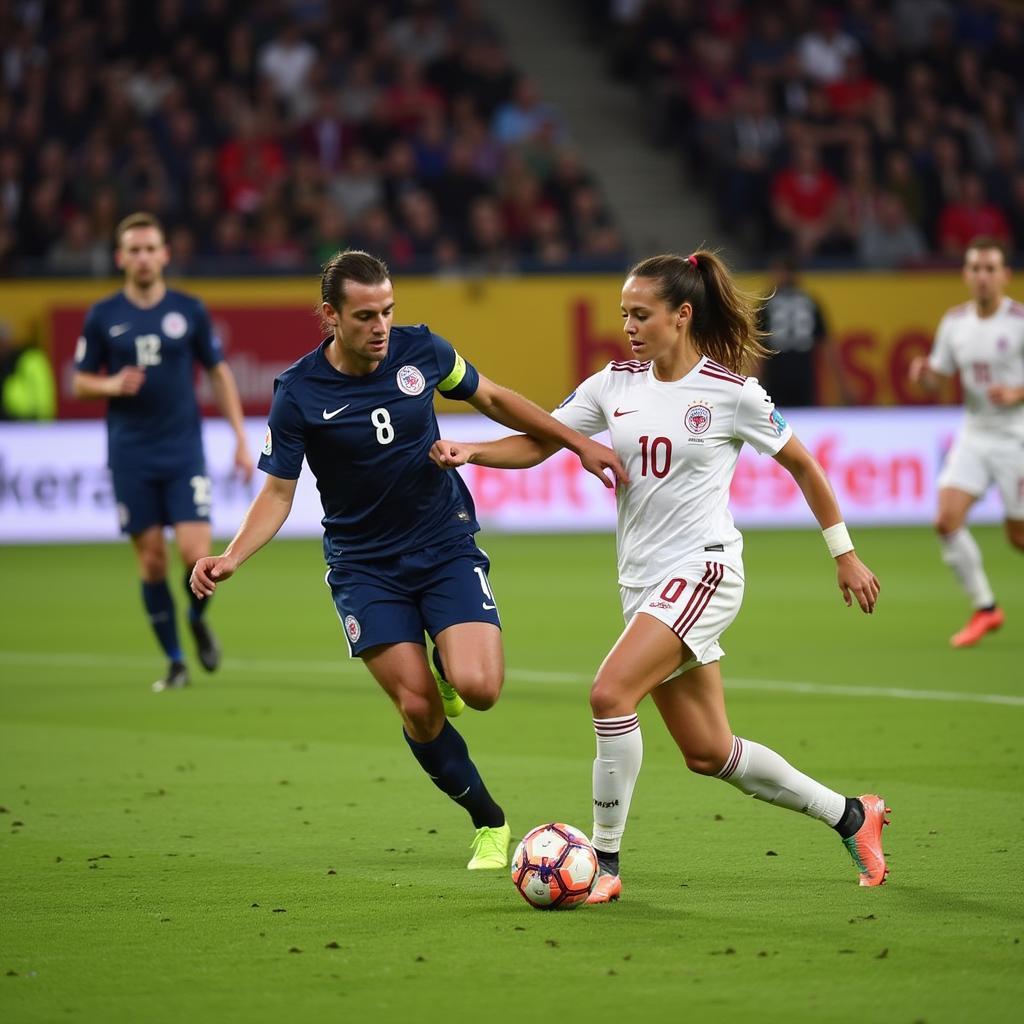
x=606, y=889
x=865, y=845
x=980, y=623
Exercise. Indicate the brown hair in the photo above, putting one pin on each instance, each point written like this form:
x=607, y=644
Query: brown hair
x=988, y=242
x=140, y=219
x=724, y=318
x=350, y=265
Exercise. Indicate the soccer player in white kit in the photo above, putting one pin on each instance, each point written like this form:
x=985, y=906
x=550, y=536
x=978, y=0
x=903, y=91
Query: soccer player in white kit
x=678, y=414
x=983, y=342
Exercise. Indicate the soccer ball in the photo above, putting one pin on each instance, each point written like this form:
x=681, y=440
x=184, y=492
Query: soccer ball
x=554, y=867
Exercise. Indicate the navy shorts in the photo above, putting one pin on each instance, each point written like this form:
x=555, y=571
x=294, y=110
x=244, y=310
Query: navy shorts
x=161, y=501
x=397, y=599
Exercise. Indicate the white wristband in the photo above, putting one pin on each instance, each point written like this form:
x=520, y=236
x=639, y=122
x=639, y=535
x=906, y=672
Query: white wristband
x=837, y=538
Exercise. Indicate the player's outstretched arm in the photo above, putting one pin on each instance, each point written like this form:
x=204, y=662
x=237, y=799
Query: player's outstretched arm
x=518, y=413
x=520, y=451
x=225, y=393
x=920, y=372
x=265, y=517
x=855, y=579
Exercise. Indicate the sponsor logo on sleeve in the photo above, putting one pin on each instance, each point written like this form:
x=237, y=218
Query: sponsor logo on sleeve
x=410, y=381
x=778, y=422
x=268, y=443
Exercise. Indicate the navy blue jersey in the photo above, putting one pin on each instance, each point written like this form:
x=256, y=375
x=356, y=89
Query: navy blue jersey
x=155, y=432
x=367, y=440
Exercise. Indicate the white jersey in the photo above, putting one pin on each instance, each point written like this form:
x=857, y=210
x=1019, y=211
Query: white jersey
x=985, y=351
x=679, y=442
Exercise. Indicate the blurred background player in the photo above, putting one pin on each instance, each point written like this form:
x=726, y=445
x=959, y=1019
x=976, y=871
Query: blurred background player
x=795, y=331
x=398, y=534
x=982, y=342
x=148, y=339
x=678, y=413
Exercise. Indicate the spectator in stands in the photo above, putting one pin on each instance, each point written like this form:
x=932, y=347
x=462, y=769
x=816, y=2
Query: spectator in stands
x=805, y=202
x=78, y=252
x=971, y=216
x=751, y=151
x=525, y=116
x=359, y=187
x=287, y=61
x=824, y=51
x=887, y=238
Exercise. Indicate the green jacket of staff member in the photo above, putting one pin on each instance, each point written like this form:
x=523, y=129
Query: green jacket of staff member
x=27, y=390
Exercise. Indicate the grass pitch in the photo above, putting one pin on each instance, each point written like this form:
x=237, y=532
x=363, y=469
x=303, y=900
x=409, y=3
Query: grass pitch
x=263, y=848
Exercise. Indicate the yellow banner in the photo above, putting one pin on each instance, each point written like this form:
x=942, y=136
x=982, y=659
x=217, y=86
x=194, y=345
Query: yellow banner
x=541, y=336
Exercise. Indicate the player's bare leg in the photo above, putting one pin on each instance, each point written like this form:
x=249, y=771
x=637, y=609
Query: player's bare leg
x=645, y=653
x=194, y=540
x=961, y=553
x=473, y=662
x=692, y=706
x=151, y=557
x=402, y=672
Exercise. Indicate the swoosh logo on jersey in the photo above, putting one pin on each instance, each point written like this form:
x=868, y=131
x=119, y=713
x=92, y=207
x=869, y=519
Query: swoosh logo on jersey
x=624, y=412
x=118, y=329
x=489, y=607
x=331, y=415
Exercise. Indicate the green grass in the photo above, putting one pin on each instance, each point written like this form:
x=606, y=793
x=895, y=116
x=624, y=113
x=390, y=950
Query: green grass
x=195, y=856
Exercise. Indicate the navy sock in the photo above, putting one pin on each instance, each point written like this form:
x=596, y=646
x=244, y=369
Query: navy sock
x=607, y=862
x=446, y=760
x=160, y=608
x=196, y=606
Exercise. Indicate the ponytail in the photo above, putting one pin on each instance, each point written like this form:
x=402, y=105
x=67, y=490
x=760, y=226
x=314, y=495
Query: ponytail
x=725, y=318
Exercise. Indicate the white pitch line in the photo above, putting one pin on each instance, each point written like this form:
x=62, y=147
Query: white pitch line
x=344, y=666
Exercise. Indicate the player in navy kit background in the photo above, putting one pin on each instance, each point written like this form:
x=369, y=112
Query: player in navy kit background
x=398, y=531
x=148, y=339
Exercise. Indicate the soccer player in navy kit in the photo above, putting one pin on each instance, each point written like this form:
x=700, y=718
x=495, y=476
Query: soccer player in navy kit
x=398, y=531
x=148, y=340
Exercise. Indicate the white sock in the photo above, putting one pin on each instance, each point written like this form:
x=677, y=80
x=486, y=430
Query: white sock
x=961, y=553
x=764, y=775
x=620, y=751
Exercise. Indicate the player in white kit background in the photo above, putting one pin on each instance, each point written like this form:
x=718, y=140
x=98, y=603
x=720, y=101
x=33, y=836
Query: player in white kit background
x=982, y=342
x=678, y=413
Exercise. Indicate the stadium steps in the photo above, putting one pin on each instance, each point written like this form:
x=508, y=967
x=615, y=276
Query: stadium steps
x=644, y=186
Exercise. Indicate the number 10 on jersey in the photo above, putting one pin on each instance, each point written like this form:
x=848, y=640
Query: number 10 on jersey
x=655, y=455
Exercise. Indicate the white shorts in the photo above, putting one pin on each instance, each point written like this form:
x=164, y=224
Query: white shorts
x=698, y=602
x=977, y=461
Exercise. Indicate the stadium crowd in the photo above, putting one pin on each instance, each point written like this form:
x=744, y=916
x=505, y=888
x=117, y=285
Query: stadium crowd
x=882, y=133
x=267, y=135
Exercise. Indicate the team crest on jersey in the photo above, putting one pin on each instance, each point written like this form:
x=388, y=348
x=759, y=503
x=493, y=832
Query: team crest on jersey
x=698, y=418
x=410, y=381
x=268, y=442
x=352, y=628
x=174, y=325
x=778, y=422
